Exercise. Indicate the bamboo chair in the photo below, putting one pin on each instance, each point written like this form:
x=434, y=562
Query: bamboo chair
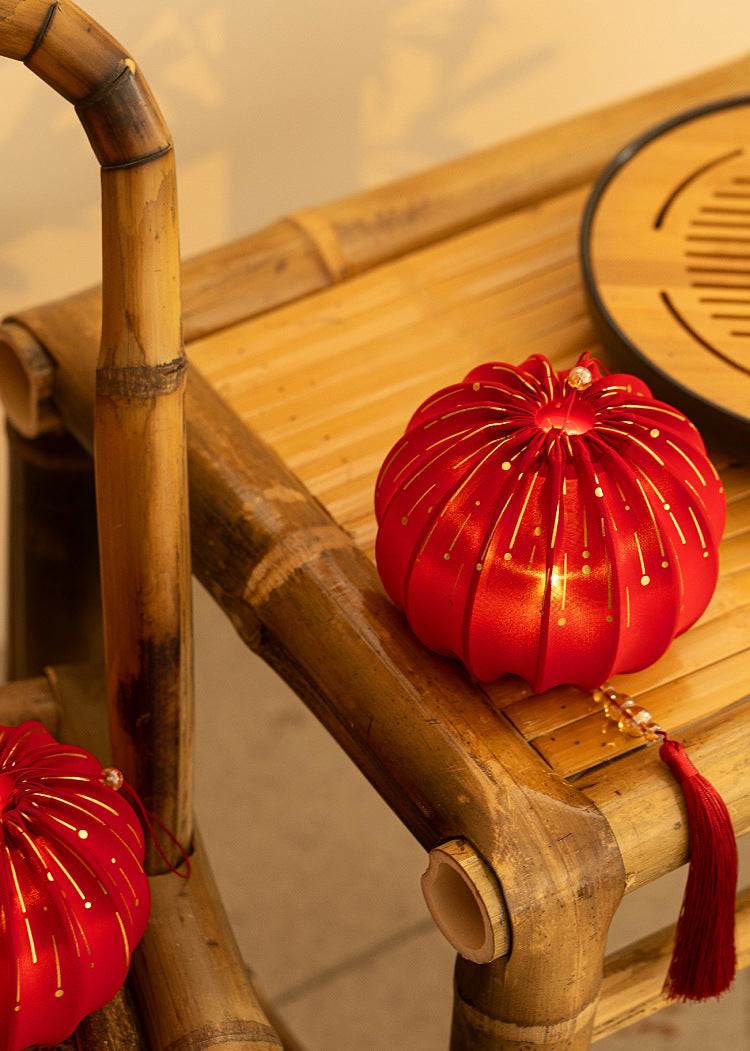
x=188, y=982
x=374, y=302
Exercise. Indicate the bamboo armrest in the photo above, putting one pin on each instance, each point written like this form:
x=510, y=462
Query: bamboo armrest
x=138, y=372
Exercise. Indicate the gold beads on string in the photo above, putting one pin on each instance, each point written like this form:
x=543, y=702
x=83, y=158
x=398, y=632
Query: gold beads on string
x=579, y=377
x=112, y=778
x=631, y=719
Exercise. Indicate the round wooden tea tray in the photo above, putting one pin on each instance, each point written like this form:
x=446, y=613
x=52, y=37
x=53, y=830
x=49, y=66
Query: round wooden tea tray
x=665, y=250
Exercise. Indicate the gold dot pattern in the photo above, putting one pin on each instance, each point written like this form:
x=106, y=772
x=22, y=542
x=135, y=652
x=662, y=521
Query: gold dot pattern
x=561, y=527
x=72, y=887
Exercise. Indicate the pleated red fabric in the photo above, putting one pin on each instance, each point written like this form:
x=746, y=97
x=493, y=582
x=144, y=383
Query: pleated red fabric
x=74, y=899
x=560, y=526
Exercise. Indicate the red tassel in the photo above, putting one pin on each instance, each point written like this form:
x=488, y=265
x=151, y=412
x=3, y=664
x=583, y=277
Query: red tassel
x=704, y=960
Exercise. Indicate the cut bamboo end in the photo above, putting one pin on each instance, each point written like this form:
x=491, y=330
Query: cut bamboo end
x=27, y=378
x=466, y=902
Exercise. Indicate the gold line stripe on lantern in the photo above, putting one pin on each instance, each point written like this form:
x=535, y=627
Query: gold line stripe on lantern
x=632, y=437
x=50, y=877
x=70, y=879
x=640, y=554
x=461, y=528
x=124, y=937
x=642, y=409
x=31, y=940
x=659, y=496
x=16, y=744
x=654, y=523
x=516, y=376
x=698, y=528
x=55, y=817
x=494, y=445
x=76, y=929
x=555, y=523
x=694, y=491
x=32, y=845
x=532, y=483
x=495, y=527
x=57, y=966
x=15, y=878
x=62, y=801
x=677, y=527
x=687, y=459
x=455, y=436
x=127, y=847
x=418, y=501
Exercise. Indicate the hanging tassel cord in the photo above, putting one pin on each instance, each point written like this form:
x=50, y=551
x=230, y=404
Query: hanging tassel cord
x=704, y=958
x=151, y=820
x=113, y=778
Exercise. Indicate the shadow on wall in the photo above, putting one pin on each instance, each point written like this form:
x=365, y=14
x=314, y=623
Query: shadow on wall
x=272, y=107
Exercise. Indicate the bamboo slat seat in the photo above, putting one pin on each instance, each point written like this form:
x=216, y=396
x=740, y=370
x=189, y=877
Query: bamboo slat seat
x=310, y=344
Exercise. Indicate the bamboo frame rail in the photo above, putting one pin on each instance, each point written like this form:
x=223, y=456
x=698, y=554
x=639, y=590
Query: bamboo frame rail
x=451, y=759
x=140, y=374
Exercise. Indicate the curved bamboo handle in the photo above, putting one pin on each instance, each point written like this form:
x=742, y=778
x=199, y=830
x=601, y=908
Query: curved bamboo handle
x=139, y=446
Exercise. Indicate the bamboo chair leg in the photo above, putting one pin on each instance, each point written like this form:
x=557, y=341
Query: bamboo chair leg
x=532, y=983
x=53, y=582
x=504, y=1006
x=113, y=1028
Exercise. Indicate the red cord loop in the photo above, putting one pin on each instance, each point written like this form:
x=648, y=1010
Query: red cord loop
x=114, y=779
x=674, y=755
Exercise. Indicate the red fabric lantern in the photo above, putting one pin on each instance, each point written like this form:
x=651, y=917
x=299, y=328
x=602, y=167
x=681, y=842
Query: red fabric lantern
x=565, y=527
x=562, y=526
x=74, y=899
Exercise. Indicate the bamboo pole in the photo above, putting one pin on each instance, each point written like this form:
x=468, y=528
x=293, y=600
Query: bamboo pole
x=466, y=902
x=190, y=981
x=114, y=1027
x=142, y=493
x=139, y=442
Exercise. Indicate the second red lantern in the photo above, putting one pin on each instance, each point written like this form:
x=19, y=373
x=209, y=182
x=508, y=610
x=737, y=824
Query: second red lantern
x=561, y=526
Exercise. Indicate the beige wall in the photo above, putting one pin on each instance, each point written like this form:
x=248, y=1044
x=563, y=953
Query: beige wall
x=279, y=104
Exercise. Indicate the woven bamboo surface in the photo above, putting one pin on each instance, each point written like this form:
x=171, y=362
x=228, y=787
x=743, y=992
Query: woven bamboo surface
x=331, y=380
